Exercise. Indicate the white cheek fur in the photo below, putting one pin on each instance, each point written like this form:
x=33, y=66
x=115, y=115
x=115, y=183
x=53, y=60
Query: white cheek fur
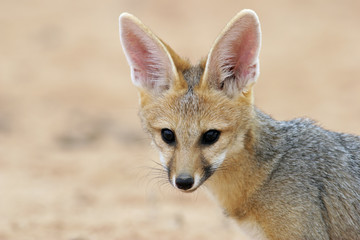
x=197, y=179
x=162, y=160
x=219, y=160
x=173, y=181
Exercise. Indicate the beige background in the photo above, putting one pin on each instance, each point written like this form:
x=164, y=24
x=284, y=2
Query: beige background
x=74, y=162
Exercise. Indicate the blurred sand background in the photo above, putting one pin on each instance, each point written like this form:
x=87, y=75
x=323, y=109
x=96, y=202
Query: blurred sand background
x=74, y=162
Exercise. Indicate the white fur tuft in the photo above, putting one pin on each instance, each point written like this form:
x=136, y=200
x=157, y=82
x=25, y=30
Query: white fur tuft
x=162, y=160
x=218, y=161
x=197, y=180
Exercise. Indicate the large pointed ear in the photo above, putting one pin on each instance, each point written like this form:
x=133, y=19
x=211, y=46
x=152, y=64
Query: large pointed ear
x=233, y=61
x=152, y=67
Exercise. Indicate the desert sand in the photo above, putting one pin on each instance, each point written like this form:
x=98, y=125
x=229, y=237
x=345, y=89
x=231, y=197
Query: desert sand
x=74, y=161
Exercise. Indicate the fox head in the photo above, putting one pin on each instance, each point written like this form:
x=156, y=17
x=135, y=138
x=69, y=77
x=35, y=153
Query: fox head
x=199, y=117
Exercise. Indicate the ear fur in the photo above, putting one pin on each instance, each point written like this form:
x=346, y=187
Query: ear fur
x=233, y=62
x=151, y=64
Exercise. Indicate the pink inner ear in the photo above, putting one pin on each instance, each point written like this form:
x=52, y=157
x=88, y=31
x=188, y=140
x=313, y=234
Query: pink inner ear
x=149, y=64
x=242, y=50
x=247, y=48
x=235, y=56
x=144, y=59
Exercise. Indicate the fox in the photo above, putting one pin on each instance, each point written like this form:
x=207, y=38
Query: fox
x=277, y=179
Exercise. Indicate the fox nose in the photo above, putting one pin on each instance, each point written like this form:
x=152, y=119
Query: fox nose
x=184, y=181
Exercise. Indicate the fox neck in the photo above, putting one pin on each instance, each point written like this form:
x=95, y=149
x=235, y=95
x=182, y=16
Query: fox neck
x=236, y=184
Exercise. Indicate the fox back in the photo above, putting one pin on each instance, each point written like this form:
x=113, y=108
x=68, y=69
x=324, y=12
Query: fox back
x=277, y=179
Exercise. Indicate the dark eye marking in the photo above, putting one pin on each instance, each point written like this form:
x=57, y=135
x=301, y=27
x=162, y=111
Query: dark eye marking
x=210, y=137
x=168, y=136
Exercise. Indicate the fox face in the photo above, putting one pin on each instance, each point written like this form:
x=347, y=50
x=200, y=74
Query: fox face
x=198, y=116
x=194, y=130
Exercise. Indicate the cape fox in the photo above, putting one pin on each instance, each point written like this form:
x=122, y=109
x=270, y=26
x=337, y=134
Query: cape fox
x=279, y=179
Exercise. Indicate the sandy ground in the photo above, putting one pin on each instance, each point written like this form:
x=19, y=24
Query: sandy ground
x=74, y=162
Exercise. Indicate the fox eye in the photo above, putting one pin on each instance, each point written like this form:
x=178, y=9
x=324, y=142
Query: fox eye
x=168, y=136
x=210, y=137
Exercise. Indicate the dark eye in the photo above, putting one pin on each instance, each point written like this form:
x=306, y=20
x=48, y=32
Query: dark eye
x=168, y=136
x=210, y=137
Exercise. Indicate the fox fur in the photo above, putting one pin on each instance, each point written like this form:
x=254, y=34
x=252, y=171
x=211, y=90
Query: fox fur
x=285, y=179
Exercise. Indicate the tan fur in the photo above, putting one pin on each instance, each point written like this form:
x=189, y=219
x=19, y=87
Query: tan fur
x=260, y=170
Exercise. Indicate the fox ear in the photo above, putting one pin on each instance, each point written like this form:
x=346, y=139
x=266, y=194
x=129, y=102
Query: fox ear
x=233, y=62
x=152, y=67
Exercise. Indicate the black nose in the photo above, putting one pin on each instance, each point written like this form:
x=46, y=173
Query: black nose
x=184, y=181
